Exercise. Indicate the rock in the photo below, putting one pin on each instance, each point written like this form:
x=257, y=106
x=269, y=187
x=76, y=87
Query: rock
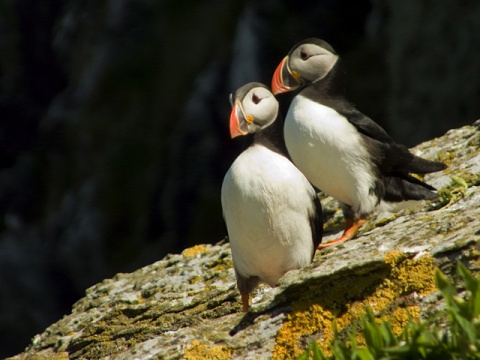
x=186, y=305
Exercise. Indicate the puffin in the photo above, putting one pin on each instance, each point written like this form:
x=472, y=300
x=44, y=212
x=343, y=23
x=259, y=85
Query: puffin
x=272, y=213
x=340, y=150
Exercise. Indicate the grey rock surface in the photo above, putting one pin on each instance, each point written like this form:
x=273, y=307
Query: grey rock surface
x=187, y=306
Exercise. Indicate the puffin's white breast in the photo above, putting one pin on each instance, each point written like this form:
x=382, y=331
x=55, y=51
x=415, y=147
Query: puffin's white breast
x=266, y=203
x=328, y=150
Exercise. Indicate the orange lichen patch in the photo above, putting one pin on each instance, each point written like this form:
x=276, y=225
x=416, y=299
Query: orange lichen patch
x=411, y=275
x=393, y=258
x=49, y=354
x=314, y=316
x=299, y=323
x=399, y=317
x=200, y=351
x=194, y=251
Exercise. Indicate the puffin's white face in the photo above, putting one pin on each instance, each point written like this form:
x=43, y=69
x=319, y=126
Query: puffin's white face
x=307, y=62
x=262, y=105
x=252, y=110
x=311, y=62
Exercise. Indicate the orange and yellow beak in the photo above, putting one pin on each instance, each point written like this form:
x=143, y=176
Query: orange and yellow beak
x=238, y=121
x=283, y=79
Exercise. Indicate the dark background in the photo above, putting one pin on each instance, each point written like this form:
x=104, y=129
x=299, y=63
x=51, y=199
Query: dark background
x=114, y=121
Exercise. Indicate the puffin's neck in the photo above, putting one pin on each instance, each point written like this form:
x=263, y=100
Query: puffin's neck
x=331, y=86
x=272, y=137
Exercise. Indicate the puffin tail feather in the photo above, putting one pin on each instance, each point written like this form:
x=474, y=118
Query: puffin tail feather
x=424, y=166
x=406, y=188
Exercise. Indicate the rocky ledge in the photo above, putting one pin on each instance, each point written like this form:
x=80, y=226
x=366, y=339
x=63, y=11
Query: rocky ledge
x=186, y=306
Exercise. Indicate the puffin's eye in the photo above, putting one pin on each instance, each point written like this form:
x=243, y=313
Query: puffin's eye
x=255, y=99
x=304, y=55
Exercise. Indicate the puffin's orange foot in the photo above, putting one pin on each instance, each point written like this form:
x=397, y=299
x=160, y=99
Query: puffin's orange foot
x=351, y=228
x=245, y=301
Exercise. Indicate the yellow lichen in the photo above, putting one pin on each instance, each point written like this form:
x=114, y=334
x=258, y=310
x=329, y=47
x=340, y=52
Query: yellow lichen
x=313, y=316
x=223, y=267
x=415, y=275
x=48, y=354
x=385, y=221
x=198, y=351
x=194, y=251
x=303, y=320
x=195, y=279
x=399, y=317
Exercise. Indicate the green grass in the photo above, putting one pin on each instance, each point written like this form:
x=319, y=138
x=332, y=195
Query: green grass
x=459, y=338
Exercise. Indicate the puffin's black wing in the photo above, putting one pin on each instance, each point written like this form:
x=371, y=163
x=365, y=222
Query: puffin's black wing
x=389, y=156
x=316, y=223
x=364, y=124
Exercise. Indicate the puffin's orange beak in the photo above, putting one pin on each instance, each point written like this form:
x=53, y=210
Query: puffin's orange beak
x=283, y=80
x=236, y=121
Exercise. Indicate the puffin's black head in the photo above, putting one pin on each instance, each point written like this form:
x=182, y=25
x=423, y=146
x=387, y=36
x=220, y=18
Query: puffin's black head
x=253, y=108
x=308, y=61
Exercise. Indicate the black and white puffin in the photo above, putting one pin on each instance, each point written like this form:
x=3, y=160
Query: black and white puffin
x=340, y=150
x=273, y=215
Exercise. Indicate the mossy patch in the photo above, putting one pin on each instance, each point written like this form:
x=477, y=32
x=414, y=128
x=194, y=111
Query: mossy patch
x=446, y=156
x=198, y=351
x=386, y=220
x=195, y=292
x=458, y=187
x=316, y=313
x=48, y=354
